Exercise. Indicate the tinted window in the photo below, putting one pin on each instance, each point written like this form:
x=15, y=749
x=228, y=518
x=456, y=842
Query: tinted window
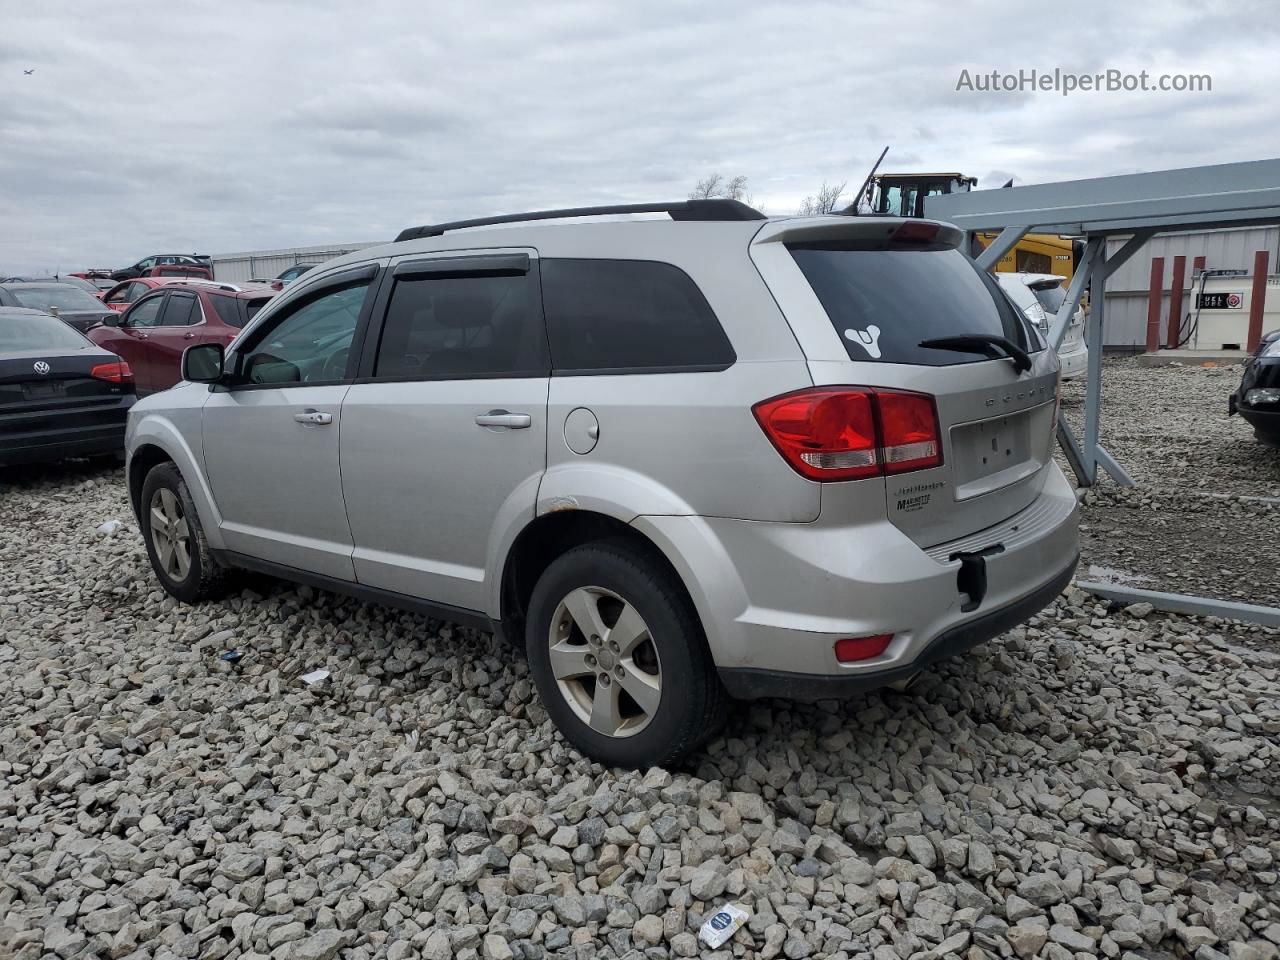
x=37, y=331
x=251, y=307
x=145, y=313
x=309, y=342
x=182, y=310
x=62, y=296
x=884, y=302
x=228, y=310
x=629, y=315
x=1050, y=298
x=463, y=326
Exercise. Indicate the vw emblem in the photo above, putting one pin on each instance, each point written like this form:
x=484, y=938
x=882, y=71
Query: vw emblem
x=42, y=368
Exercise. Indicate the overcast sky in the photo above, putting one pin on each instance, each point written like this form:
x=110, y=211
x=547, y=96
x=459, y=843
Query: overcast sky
x=257, y=125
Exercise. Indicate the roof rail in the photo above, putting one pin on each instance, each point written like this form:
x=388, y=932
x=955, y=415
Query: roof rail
x=711, y=209
x=203, y=282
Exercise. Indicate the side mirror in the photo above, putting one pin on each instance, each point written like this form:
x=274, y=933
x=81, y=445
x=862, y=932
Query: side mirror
x=203, y=363
x=113, y=320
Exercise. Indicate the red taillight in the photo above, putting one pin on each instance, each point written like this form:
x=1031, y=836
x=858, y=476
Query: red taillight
x=848, y=433
x=861, y=648
x=826, y=434
x=909, y=427
x=112, y=372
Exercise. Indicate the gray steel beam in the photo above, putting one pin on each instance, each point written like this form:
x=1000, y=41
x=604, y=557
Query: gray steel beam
x=1199, y=196
x=1093, y=386
x=1001, y=245
x=1071, y=450
x=1184, y=603
x=1130, y=247
x=1079, y=280
x=1109, y=464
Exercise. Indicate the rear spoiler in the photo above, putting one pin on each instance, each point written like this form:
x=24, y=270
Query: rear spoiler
x=887, y=230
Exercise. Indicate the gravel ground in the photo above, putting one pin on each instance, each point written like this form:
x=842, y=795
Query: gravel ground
x=1204, y=518
x=1100, y=782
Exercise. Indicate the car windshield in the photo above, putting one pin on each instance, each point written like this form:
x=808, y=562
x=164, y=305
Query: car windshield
x=55, y=295
x=37, y=331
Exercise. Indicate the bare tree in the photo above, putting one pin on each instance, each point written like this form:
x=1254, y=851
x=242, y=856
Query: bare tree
x=827, y=200
x=715, y=185
x=707, y=187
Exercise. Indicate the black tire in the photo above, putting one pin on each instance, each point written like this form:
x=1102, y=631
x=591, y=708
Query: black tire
x=206, y=579
x=692, y=704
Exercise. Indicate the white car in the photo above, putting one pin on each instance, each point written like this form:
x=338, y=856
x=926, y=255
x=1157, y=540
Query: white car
x=1038, y=296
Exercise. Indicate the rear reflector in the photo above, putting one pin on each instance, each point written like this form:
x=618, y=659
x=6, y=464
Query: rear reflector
x=850, y=433
x=112, y=372
x=861, y=648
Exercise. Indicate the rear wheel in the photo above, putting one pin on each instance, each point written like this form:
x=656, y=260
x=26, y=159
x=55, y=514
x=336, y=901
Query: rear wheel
x=176, y=545
x=619, y=657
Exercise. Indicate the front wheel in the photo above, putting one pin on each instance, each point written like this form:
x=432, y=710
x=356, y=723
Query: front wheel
x=619, y=657
x=176, y=545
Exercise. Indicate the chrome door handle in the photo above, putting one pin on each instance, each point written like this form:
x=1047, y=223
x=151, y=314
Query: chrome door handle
x=314, y=417
x=188, y=336
x=502, y=418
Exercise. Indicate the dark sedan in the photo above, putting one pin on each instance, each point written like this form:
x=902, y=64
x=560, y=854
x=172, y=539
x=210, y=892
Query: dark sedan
x=60, y=395
x=79, y=309
x=1257, y=399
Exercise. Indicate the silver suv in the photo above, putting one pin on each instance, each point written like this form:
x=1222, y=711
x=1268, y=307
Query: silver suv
x=677, y=459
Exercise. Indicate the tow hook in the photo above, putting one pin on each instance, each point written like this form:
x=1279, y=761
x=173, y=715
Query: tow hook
x=972, y=578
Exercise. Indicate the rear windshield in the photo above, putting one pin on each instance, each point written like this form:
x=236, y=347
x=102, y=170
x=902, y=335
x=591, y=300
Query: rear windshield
x=1050, y=298
x=34, y=331
x=62, y=296
x=883, y=302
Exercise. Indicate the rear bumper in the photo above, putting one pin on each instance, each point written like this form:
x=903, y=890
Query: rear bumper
x=1073, y=360
x=91, y=432
x=775, y=597
x=749, y=684
x=1265, y=423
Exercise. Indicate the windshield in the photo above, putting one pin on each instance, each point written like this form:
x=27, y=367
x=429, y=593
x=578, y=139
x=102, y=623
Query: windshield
x=883, y=302
x=37, y=331
x=61, y=296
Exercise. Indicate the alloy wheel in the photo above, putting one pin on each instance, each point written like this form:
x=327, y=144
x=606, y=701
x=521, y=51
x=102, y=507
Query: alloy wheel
x=170, y=534
x=604, y=661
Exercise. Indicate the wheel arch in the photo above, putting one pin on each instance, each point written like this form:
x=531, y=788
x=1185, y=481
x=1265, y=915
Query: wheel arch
x=551, y=535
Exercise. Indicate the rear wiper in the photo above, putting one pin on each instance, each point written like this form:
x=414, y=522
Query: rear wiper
x=984, y=343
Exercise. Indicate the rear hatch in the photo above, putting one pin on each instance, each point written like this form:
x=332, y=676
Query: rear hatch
x=861, y=295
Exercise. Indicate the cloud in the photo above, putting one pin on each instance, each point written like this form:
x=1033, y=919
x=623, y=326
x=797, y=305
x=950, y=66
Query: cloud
x=257, y=125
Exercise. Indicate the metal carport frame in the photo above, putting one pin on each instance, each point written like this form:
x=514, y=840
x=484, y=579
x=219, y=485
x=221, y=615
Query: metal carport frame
x=1139, y=205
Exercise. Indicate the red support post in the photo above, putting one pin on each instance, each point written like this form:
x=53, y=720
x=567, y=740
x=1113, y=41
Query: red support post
x=1175, y=302
x=1154, y=296
x=1258, y=299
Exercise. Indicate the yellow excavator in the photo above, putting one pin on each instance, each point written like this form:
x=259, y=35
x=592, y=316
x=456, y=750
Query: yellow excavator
x=903, y=195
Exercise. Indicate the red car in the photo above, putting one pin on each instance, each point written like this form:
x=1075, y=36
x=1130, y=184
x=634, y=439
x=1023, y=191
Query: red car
x=120, y=297
x=156, y=328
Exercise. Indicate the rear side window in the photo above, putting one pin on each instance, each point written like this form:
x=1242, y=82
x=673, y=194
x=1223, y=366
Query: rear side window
x=629, y=316
x=228, y=310
x=441, y=328
x=883, y=302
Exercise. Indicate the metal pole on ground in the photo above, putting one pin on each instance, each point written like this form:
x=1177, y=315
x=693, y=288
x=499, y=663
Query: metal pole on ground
x=1093, y=387
x=1175, y=302
x=1258, y=299
x=1154, y=297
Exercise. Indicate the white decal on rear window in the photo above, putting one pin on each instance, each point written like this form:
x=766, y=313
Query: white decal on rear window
x=868, y=339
